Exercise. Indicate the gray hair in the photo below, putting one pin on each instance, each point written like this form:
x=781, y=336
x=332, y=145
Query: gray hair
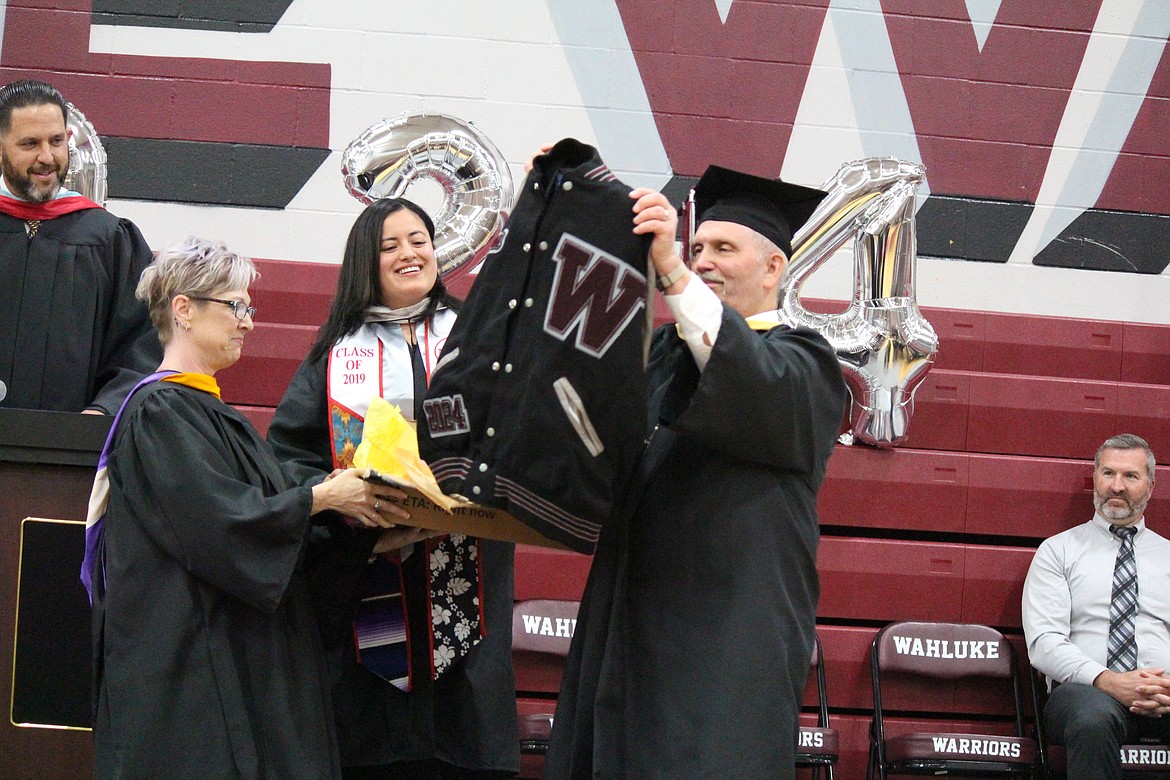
x=1127, y=441
x=766, y=247
x=191, y=267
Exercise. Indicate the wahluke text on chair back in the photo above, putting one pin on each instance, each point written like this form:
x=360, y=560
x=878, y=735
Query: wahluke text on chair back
x=947, y=651
x=544, y=625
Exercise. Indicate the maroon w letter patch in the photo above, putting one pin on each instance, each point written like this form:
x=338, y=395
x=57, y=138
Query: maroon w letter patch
x=594, y=292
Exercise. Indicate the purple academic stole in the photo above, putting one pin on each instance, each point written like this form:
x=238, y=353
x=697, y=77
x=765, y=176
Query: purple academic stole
x=99, y=499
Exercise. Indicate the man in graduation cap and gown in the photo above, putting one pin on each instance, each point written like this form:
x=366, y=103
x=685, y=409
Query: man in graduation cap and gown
x=72, y=335
x=696, y=629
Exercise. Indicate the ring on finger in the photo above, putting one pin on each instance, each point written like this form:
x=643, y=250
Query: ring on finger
x=378, y=505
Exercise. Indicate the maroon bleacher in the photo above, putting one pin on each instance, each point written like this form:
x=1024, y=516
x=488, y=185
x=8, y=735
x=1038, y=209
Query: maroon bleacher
x=942, y=528
x=294, y=293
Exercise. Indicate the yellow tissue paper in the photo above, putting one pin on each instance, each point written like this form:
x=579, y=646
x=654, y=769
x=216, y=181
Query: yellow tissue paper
x=390, y=448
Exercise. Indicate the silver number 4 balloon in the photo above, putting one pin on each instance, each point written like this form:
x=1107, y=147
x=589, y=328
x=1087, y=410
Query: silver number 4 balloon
x=884, y=344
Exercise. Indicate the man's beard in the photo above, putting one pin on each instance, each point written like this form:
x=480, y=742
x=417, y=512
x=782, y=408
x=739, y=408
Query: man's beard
x=1131, y=509
x=22, y=186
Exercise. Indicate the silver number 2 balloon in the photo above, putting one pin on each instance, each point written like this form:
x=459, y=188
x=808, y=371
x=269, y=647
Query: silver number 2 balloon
x=393, y=153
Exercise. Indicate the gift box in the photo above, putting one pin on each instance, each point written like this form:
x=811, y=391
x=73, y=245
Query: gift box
x=462, y=516
x=388, y=454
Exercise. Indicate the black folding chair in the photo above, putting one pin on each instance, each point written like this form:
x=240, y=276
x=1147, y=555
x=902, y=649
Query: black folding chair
x=945, y=651
x=541, y=626
x=819, y=746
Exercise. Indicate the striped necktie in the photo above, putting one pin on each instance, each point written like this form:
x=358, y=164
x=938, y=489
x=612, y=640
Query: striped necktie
x=1123, y=607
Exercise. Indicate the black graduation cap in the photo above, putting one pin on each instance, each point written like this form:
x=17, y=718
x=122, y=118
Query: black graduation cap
x=775, y=209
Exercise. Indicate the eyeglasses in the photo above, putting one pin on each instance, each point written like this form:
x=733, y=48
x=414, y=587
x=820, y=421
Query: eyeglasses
x=239, y=308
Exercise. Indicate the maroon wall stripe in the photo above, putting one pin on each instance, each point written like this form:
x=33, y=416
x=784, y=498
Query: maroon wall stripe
x=183, y=98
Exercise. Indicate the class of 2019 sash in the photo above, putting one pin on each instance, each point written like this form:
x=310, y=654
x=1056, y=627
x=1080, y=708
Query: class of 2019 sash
x=377, y=360
x=355, y=376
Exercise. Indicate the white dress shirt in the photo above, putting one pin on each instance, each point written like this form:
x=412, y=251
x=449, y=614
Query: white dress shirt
x=1067, y=595
x=698, y=312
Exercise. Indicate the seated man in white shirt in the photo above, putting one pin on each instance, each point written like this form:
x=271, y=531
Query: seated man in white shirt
x=1113, y=686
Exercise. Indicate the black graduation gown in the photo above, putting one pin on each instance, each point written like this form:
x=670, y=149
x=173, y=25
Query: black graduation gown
x=72, y=335
x=468, y=717
x=693, y=641
x=207, y=656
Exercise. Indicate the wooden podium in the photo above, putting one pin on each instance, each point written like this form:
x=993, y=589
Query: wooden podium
x=47, y=463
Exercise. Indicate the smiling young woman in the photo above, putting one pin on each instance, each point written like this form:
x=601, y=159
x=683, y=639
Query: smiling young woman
x=403, y=709
x=407, y=264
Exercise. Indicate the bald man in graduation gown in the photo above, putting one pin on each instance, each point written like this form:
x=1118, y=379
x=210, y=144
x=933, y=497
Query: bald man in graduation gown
x=72, y=335
x=695, y=632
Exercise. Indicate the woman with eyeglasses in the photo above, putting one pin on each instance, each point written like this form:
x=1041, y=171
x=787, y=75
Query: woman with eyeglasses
x=207, y=657
x=417, y=630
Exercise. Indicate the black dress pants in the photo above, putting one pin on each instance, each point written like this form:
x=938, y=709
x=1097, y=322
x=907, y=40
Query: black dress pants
x=1093, y=726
